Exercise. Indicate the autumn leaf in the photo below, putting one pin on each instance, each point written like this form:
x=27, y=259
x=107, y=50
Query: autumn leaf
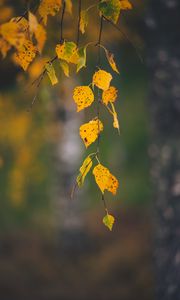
x=25, y=54
x=13, y=34
x=81, y=63
x=69, y=6
x=125, y=4
x=65, y=67
x=110, y=58
x=66, y=51
x=84, y=169
x=48, y=7
x=110, y=9
x=83, y=96
x=115, y=118
x=38, y=30
x=102, y=79
x=110, y=95
x=105, y=180
x=51, y=73
x=90, y=131
x=4, y=47
x=108, y=221
x=83, y=21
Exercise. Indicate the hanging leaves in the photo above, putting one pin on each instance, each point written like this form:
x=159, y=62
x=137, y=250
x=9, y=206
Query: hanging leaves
x=105, y=180
x=38, y=30
x=83, y=96
x=65, y=67
x=84, y=169
x=67, y=51
x=51, y=73
x=90, y=131
x=83, y=21
x=110, y=58
x=102, y=79
x=109, y=95
x=110, y=9
x=108, y=221
x=115, y=118
x=48, y=7
x=13, y=34
x=25, y=55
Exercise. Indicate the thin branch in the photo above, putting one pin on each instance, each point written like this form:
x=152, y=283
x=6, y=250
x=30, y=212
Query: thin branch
x=104, y=203
x=61, y=23
x=127, y=38
x=79, y=20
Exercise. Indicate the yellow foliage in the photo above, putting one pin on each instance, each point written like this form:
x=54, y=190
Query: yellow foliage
x=83, y=21
x=67, y=51
x=48, y=7
x=51, y=73
x=105, y=180
x=110, y=58
x=90, y=131
x=109, y=95
x=102, y=79
x=13, y=34
x=65, y=67
x=36, y=68
x=125, y=4
x=4, y=47
x=83, y=97
x=25, y=54
x=84, y=169
x=38, y=30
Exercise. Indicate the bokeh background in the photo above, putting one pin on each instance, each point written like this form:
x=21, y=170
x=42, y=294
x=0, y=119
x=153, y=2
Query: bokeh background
x=52, y=247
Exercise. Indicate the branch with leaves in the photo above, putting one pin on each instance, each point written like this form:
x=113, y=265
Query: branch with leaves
x=26, y=36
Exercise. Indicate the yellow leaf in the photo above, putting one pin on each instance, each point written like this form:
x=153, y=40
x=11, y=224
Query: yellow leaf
x=108, y=221
x=69, y=6
x=109, y=95
x=90, y=131
x=105, y=180
x=102, y=79
x=37, y=67
x=48, y=7
x=67, y=51
x=125, y=4
x=12, y=33
x=110, y=58
x=25, y=54
x=38, y=30
x=110, y=9
x=64, y=67
x=4, y=47
x=115, y=122
x=83, y=21
x=84, y=169
x=51, y=73
x=83, y=97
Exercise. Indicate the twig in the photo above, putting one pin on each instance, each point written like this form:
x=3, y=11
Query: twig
x=104, y=203
x=79, y=20
x=127, y=38
x=61, y=23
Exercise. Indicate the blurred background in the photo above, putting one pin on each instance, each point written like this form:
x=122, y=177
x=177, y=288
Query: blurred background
x=52, y=247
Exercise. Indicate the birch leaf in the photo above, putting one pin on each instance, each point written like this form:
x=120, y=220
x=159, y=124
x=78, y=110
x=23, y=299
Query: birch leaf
x=48, y=7
x=115, y=121
x=12, y=33
x=84, y=169
x=38, y=30
x=66, y=51
x=108, y=221
x=83, y=21
x=90, y=131
x=109, y=95
x=83, y=96
x=110, y=58
x=25, y=54
x=81, y=58
x=102, y=79
x=51, y=73
x=110, y=9
x=105, y=180
x=125, y=4
x=4, y=47
x=64, y=67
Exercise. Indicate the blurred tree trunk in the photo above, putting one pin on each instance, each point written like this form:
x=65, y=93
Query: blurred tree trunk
x=163, y=53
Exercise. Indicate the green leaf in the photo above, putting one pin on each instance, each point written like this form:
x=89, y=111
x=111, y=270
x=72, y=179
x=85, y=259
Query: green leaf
x=108, y=221
x=84, y=169
x=81, y=58
x=51, y=73
x=110, y=9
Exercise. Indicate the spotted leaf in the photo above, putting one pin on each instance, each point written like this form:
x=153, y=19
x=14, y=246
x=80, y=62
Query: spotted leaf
x=83, y=96
x=90, y=131
x=102, y=79
x=105, y=180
